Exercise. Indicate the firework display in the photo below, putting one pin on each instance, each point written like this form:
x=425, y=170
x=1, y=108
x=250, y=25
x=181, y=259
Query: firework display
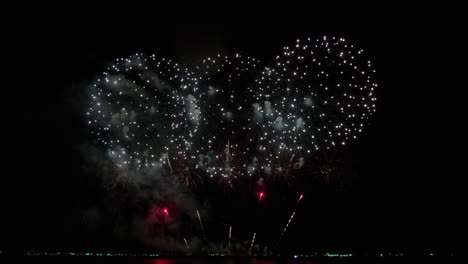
x=319, y=94
x=230, y=117
x=144, y=111
x=233, y=118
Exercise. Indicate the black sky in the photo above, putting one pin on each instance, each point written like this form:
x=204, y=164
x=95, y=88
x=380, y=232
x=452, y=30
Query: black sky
x=405, y=195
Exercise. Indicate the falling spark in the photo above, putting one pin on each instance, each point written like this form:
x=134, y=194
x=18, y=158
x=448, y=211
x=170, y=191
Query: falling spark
x=169, y=162
x=201, y=224
x=230, y=229
x=186, y=244
x=292, y=157
x=260, y=195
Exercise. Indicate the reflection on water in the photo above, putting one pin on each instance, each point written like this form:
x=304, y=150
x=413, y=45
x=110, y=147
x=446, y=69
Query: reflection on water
x=160, y=261
x=226, y=261
x=234, y=260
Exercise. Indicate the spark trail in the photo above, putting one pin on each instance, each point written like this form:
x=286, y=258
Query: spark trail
x=292, y=216
x=201, y=224
x=229, y=243
x=186, y=244
x=252, y=243
x=286, y=227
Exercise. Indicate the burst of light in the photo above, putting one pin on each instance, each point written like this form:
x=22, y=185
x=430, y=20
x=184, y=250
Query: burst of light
x=149, y=112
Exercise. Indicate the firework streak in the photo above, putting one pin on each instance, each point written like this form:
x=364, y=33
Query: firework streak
x=229, y=243
x=201, y=224
x=292, y=216
x=252, y=243
x=286, y=227
x=186, y=244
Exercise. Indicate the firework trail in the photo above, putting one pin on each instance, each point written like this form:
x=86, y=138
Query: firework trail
x=229, y=243
x=286, y=227
x=300, y=198
x=201, y=224
x=252, y=243
x=169, y=162
x=260, y=196
x=186, y=244
x=292, y=216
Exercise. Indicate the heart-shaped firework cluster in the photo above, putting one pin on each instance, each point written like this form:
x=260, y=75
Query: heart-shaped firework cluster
x=232, y=116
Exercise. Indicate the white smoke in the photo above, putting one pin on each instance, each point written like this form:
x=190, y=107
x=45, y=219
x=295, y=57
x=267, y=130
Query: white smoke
x=300, y=123
x=268, y=109
x=125, y=131
x=211, y=90
x=258, y=111
x=279, y=123
x=193, y=110
x=299, y=164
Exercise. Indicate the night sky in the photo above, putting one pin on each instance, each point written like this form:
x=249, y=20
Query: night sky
x=401, y=189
